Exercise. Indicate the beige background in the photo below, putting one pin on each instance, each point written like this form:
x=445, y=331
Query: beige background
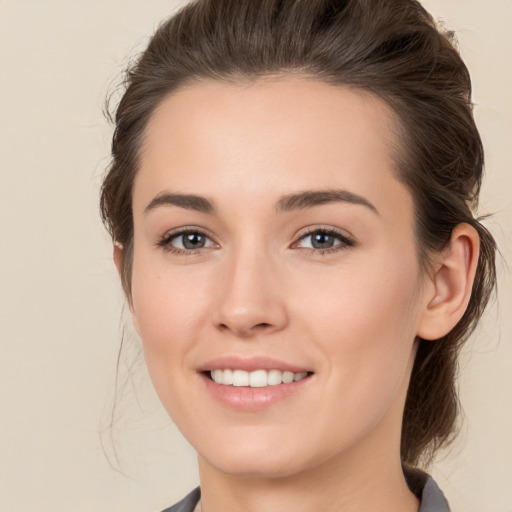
x=60, y=302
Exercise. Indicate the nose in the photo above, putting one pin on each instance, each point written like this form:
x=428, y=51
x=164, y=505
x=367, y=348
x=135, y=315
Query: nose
x=250, y=296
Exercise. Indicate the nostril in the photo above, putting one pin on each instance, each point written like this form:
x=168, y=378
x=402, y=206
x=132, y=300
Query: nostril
x=245, y=332
x=262, y=326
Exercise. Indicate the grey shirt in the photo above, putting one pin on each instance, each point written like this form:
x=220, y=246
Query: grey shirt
x=421, y=484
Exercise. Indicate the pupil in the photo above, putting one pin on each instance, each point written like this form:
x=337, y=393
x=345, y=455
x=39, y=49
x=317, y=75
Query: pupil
x=193, y=241
x=322, y=241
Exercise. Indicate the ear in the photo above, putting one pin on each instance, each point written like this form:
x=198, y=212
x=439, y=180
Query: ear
x=118, y=258
x=451, y=284
x=119, y=263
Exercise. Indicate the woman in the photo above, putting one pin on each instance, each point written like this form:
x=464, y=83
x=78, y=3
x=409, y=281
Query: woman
x=290, y=199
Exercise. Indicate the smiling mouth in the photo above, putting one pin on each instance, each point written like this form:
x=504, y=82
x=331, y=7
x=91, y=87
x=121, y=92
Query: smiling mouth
x=256, y=378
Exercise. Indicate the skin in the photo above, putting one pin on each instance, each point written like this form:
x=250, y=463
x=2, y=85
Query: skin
x=258, y=287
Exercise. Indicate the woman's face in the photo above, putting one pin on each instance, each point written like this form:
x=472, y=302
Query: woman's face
x=273, y=242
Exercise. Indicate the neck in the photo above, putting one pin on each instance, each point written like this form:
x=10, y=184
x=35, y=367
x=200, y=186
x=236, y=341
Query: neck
x=332, y=486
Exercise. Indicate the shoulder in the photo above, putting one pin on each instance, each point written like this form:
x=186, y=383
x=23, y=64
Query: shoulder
x=187, y=504
x=424, y=486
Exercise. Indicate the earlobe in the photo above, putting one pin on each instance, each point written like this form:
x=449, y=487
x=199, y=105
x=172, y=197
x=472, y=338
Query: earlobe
x=452, y=284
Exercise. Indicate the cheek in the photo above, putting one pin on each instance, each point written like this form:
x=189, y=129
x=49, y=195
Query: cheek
x=364, y=322
x=374, y=310
x=373, y=293
x=168, y=307
x=167, y=300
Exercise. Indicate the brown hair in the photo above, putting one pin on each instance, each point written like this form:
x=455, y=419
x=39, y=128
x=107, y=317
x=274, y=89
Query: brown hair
x=391, y=48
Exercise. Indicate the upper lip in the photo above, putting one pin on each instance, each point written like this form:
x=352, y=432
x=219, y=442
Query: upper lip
x=249, y=364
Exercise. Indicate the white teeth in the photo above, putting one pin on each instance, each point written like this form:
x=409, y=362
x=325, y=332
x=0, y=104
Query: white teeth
x=255, y=379
x=287, y=377
x=240, y=378
x=217, y=376
x=227, y=377
x=274, y=377
x=258, y=379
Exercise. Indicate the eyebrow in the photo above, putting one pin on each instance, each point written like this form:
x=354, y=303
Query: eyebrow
x=187, y=201
x=290, y=202
x=312, y=198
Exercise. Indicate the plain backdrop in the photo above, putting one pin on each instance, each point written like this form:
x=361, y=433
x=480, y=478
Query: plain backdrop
x=61, y=305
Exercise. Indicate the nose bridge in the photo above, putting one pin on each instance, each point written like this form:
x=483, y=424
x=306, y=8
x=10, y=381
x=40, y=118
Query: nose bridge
x=250, y=299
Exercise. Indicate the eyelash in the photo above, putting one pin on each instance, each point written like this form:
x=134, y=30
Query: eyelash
x=165, y=242
x=344, y=240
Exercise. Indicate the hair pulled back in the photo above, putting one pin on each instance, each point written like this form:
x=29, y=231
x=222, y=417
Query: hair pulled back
x=391, y=48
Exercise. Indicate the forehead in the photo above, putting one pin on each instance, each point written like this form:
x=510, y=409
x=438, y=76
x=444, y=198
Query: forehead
x=268, y=136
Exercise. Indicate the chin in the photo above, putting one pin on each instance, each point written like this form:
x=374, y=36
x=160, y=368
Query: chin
x=264, y=467
x=260, y=458
x=252, y=457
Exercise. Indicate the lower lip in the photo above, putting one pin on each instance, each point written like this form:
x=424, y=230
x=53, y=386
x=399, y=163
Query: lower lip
x=252, y=399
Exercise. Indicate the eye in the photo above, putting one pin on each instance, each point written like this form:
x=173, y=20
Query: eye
x=323, y=240
x=186, y=241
